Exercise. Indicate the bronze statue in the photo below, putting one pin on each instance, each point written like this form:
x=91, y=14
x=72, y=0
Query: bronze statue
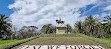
x=60, y=22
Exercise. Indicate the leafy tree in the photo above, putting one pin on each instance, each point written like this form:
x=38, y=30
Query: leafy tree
x=69, y=28
x=27, y=31
x=14, y=32
x=48, y=29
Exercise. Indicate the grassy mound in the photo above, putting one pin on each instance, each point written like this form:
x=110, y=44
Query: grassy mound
x=68, y=39
x=106, y=42
x=60, y=35
x=61, y=39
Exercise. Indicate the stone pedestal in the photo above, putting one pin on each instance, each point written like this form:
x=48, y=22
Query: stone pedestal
x=61, y=30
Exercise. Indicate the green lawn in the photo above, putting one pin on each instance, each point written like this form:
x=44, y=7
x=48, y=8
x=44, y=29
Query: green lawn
x=7, y=41
x=108, y=39
x=59, y=35
x=10, y=43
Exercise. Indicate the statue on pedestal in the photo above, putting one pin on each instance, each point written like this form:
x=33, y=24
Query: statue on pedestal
x=60, y=29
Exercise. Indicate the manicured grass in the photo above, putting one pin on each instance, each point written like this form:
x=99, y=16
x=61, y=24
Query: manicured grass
x=7, y=41
x=60, y=35
x=108, y=39
x=12, y=44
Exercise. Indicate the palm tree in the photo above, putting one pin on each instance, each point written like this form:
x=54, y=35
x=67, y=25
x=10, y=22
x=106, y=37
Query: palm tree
x=91, y=22
x=4, y=25
x=108, y=24
x=78, y=24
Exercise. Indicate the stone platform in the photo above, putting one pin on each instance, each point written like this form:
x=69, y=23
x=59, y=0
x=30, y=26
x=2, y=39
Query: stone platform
x=61, y=30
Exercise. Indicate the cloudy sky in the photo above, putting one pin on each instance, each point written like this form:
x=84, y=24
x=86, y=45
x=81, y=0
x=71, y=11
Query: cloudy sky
x=40, y=12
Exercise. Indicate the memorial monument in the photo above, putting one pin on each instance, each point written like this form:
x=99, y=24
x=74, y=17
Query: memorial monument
x=60, y=28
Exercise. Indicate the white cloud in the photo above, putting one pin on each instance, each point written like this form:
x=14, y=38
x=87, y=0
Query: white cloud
x=107, y=8
x=96, y=15
x=103, y=14
x=103, y=5
x=40, y=12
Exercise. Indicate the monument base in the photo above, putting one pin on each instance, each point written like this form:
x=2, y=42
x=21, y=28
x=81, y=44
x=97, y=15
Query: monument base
x=61, y=30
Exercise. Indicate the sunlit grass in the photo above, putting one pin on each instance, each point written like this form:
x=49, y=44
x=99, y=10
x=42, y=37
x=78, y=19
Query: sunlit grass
x=7, y=41
x=108, y=39
x=60, y=35
x=11, y=44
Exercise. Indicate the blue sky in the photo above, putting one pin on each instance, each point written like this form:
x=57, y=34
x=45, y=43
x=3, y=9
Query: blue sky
x=40, y=12
x=5, y=10
x=4, y=7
